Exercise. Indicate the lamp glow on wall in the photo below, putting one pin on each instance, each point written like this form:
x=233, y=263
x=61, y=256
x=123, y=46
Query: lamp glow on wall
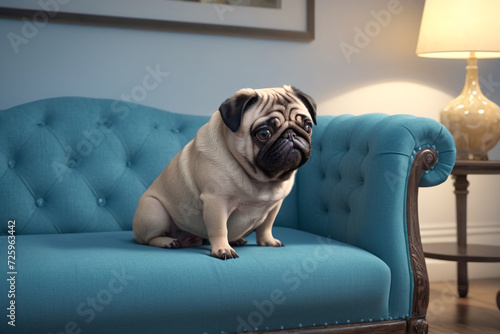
x=467, y=29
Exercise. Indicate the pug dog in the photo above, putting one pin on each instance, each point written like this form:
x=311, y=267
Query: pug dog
x=232, y=178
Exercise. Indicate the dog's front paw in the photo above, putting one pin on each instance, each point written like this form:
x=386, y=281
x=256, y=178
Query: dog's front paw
x=270, y=242
x=224, y=253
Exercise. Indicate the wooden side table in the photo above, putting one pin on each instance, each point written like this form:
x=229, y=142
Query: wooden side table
x=461, y=252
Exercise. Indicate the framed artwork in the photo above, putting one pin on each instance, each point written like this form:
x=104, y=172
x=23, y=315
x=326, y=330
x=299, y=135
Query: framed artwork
x=275, y=19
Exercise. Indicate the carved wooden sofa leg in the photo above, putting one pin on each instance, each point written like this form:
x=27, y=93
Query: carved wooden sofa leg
x=418, y=326
x=424, y=160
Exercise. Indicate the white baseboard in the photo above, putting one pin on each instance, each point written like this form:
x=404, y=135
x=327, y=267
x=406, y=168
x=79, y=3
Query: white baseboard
x=483, y=233
x=446, y=271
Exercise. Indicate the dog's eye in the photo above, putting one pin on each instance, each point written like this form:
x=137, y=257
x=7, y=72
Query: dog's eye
x=308, y=126
x=263, y=134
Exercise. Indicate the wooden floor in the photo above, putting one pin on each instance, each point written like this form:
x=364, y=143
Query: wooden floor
x=476, y=314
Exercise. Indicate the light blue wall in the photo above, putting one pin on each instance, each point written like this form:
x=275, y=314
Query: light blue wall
x=64, y=59
x=382, y=75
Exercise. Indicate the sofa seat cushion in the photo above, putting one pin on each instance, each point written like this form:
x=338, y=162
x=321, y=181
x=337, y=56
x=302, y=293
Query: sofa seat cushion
x=105, y=282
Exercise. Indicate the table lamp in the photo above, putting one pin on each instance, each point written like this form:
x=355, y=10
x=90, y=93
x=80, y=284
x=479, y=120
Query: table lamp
x=467, y=29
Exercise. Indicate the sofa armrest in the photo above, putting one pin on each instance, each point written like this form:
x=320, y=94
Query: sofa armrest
x=355, y=187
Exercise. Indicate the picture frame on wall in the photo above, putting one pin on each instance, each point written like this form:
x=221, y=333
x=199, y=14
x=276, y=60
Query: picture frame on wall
x=273, y=19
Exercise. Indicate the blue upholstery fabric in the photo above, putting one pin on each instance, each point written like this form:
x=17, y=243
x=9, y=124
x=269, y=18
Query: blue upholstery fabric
x=113, y=285
x=87, y=159
x=82, y=158
x=72, y=171
x=353, y=189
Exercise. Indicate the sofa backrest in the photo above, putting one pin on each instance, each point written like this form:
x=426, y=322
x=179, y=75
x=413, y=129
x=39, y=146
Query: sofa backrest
x=358, y=174
x=70, y=165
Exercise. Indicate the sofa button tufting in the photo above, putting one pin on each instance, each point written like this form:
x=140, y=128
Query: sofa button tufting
x=337, y=176
x=107, y=123
x=72, y=163
x=129, y=163
x=101, y=201
x=11, y=164
x=175, y=130
x=40, y=202
x=41, y=123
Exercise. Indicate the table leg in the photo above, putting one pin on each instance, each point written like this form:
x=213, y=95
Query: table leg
x=461, y=184
x=463, y=280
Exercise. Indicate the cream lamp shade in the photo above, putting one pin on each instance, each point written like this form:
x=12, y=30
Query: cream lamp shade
x=454, y=28
x=468, y=29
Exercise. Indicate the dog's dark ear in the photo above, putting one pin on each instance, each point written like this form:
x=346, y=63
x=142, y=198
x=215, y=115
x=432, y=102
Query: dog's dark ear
x=308, y=102
x=233, y=108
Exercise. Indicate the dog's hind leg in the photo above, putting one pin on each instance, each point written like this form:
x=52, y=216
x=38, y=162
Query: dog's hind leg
x=152, y=224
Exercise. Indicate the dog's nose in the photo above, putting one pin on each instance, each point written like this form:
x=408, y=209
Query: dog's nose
x=289, y=134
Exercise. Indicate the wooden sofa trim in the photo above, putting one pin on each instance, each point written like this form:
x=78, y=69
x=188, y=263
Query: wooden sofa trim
x=424, y=160
x=382, y=327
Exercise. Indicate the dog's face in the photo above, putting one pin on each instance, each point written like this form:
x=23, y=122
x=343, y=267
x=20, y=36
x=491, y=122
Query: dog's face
x=269, y=130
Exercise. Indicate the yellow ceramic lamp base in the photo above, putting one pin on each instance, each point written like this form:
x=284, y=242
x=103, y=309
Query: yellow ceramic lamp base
x=473, y=120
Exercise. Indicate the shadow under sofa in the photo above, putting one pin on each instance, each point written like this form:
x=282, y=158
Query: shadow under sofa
x=71, y=173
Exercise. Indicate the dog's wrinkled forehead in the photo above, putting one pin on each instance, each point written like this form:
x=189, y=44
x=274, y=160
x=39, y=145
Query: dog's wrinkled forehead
x=283, y=99
x=279, y=99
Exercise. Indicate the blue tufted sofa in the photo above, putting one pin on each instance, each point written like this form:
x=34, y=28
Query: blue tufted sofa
x=72, y=171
